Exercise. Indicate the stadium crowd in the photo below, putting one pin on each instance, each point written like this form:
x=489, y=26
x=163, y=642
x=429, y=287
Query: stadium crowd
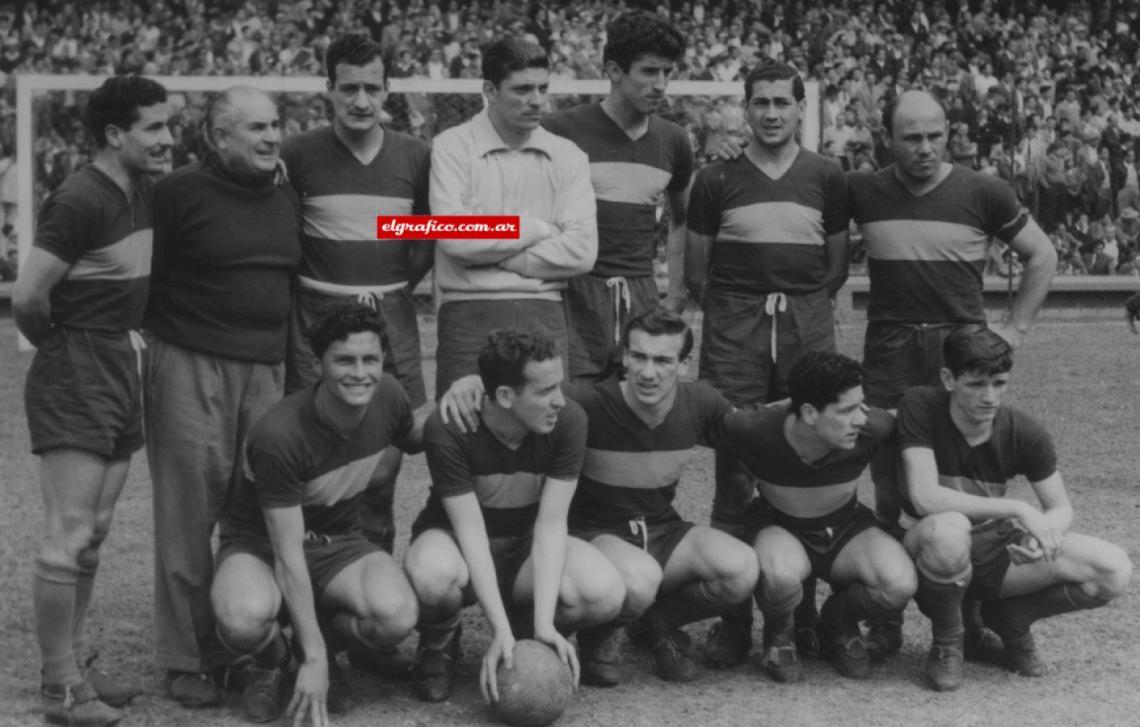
x=1042, y=94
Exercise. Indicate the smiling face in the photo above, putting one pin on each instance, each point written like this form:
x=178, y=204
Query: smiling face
x=975, y=396
x=838, y=424
x=249, y=135
x=351, y=368
x=773, y=113
x=653, y=365
x=357, y=96
x=143, y=147
x=515, y=105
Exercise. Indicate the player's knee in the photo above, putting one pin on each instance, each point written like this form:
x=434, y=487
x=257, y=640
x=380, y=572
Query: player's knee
x=738, y=570
x=243, y=619
x=395, y=610
x=1115, y=573
x=598, y=598
x=942, y=545
x=641, y=584
x=897, y=583
x=435, y=577
x=780, y=574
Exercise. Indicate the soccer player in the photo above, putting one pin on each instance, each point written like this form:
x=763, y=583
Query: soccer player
x=636, y=160
x=503, y=163
x=807, y=454
x=346, y=174
x=641, y=434
x=494, y=527
x=291, y=533
x=766, y=253
x=960, y=447
x=926, y=224
x=80, y=298
x=226, y=246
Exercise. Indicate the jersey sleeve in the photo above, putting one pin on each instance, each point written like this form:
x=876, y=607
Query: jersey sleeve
x=64, y=229
x=1036, y=455
x=713, y=408
x=837, y=208
x=1004, y=215
x=569, y=443
x=916, y=418
x=401, y=421
x=447, y=460
x=729, y=435
x=704, y=207
x=880, y=427
x=682, y=162
x=273, y=466
x=420, y=203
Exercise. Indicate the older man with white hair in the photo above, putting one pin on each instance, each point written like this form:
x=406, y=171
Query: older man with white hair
x=226, y=245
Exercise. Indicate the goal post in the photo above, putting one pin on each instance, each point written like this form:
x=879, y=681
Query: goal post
x=32, y=85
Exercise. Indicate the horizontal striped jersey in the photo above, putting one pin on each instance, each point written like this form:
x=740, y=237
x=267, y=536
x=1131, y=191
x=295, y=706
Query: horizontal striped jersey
x=788, y=483
x=768, y=234
x=1019, y=445
x=89, y=222
x=631, y=470
x=926, y=254
x=507, y=482
x=630, y=179
x=293, y=459
x=340, y=198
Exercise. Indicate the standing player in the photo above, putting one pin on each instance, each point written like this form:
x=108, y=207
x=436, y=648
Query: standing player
x=808, y=455
x=494, y=528
x=346, y=174
x=641, y=434
x=80, y=298
x=503, y=163
x=960, y=448
x=225, y=249
x=767, y=252
x=291, y=531
x=636, y=159
x=926, y=224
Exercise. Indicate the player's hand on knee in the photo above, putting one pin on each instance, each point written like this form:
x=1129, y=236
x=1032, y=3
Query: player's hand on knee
x=501, y=649
x=310, y=693
x=462, y=402
x=565, y=650
x=1025, y=552
x=1048, y=538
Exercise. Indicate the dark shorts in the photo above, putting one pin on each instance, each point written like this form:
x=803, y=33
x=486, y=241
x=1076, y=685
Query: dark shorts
x=83, y=391
x=325, y=555
x=659, y=537
x=823, y=538
x=897, y=356
x=508, y=554
x=990, y=558
x=465, y=324
x=736, y=342
x=597, y=314
x=401, y=340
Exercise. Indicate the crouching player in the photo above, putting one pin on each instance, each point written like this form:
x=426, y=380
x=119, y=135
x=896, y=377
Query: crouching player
x=960, y=447
x=807, y=455
x=290, y=531
x=494, y=529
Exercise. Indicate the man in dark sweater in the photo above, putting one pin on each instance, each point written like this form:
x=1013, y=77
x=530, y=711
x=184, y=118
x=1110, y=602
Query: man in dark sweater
x=226, y=244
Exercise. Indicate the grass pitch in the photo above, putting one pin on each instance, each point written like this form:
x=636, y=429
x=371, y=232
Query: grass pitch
x=1081, y=379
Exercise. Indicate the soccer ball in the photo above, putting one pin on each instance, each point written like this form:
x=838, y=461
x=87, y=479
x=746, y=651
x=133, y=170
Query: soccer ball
x=536, y=691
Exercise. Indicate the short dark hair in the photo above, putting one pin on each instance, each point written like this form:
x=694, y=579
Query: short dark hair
x=976, y=350
x=502, y=362
x=637, y=32
x=660, y=322
x=893, y=107
x=117, y=103
x=505, y=56
x=819, y=378
x=772, y=71
x=342, y=321
x=355, y=49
